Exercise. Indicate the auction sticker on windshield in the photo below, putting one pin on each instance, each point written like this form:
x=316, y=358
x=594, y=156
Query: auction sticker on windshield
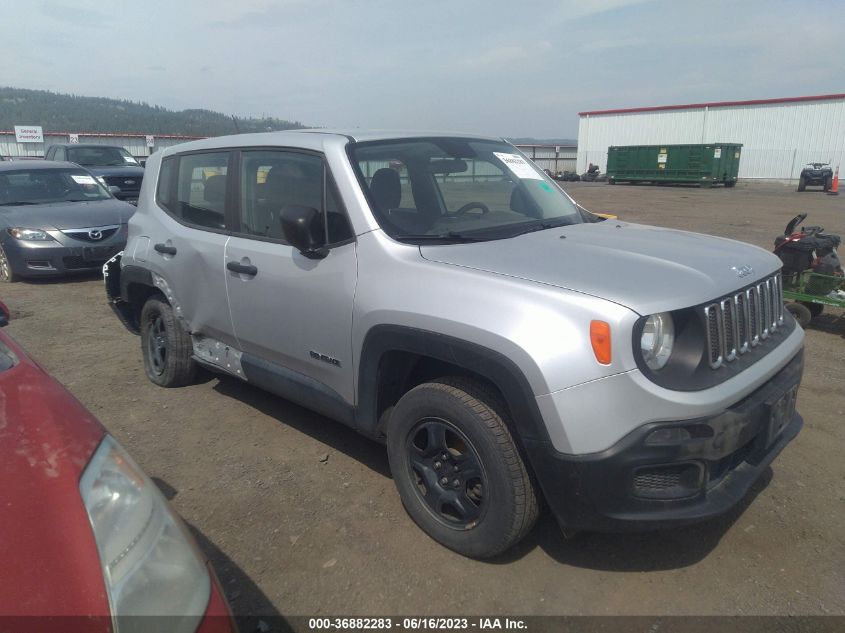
x=83, y=180
x=518, y=165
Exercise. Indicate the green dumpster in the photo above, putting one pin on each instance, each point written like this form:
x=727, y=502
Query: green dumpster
x=704, y=164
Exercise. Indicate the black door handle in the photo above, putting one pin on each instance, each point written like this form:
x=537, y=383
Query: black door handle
x=164, y=249
x=243, y=269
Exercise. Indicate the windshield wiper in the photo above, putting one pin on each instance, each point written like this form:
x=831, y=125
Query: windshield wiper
x=17, y=203
x=448, y=236
x=539, y=226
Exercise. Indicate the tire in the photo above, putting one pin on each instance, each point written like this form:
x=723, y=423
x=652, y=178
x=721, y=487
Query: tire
x=801, y=313
x=7, y=275
x=730, y=183
x=828, y=184
x=165, y=346
x=611, y=181
x=458, y=427
x=802, y=183
x=815, y=308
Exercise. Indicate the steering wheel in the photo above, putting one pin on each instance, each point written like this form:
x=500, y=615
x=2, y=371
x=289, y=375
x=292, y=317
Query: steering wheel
x=473, y=205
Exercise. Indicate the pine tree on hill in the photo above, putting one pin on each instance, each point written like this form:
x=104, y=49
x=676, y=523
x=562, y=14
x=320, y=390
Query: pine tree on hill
x=73, y=113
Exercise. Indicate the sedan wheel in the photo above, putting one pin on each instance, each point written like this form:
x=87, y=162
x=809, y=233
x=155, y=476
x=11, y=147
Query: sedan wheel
x=6, y=272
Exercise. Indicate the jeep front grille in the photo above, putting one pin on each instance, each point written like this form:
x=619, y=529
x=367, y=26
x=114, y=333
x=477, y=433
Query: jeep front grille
x=737, y=323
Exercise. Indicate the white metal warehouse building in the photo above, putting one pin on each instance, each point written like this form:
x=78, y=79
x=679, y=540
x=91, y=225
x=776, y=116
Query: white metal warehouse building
x=779, y=136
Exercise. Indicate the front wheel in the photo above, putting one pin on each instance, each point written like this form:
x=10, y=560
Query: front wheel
x=6, y=273
x=828, y=183
x=457, y=468
x=802, y=183
x=165, y=346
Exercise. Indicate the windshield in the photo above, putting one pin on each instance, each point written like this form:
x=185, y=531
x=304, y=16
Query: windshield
x=40, y=186
x=455, y=189
x=100, y=156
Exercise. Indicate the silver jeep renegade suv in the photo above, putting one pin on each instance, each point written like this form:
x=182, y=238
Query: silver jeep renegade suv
x=441, y=294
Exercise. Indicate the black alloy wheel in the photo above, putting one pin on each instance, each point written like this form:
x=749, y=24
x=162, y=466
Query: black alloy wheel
x=448, y=473
x=157, y=345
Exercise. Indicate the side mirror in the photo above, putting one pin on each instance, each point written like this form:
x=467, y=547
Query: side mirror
x=5, y=315
x=303, y=229
x=114, y=190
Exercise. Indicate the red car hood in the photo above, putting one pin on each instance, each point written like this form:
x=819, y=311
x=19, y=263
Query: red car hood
x=50, y=560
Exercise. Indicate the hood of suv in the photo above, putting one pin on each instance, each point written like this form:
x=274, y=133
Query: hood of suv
x=67, y=215
x=125, y=171
x=647, y=269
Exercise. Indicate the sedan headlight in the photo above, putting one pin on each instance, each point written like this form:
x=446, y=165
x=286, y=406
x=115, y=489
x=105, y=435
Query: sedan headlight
x=30, y=235
x=150, y=563
x=657, y=340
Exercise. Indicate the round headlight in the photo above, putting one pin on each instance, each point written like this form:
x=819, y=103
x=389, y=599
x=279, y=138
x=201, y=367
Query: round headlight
x=657, y=340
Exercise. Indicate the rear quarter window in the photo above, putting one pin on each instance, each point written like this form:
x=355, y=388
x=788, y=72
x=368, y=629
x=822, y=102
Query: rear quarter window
x=193, y=188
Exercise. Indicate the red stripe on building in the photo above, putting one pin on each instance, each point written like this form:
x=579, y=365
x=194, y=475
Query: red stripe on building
x=715, y=104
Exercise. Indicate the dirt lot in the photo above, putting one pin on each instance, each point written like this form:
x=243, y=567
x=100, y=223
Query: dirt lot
x=299, y=515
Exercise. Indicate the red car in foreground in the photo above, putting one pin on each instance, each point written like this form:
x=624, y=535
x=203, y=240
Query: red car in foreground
x=83, y=531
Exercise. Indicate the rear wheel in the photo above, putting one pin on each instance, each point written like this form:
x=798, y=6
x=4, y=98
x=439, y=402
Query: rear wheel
x=801, y=313
x=6, y=273
x=802, y=183
x=457, y=468
x=165, y=345
x=815, y=308
x=730, y=183
x=828, y=183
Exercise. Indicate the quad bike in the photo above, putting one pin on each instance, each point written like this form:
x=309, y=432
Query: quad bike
x=812, y=272
x=567, y=176
x=816, y=175
x=593, y=174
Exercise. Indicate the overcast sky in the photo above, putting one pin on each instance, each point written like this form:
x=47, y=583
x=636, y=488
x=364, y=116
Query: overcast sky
x=508, y=68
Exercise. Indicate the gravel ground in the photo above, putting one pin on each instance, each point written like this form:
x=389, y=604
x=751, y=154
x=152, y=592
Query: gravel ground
x=299, y=515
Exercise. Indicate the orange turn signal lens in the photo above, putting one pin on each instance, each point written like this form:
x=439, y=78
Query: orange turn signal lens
x=600, y=339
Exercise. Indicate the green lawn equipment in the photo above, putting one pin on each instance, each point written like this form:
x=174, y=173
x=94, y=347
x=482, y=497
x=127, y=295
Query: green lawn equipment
x=812, y=272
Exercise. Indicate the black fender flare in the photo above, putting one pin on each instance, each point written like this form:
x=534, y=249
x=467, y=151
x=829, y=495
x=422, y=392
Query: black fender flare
x=118, y=281
x=134, y=275
x=492, y=365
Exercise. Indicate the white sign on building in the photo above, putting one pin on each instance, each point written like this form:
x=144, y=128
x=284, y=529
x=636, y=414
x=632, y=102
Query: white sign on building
x=151, y=141
x=29, y=134
x=73, y=138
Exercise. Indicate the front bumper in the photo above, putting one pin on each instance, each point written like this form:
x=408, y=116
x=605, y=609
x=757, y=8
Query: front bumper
x=129, y=196
x=815, y=179
x=218, y=617
x=50, y=259
x=637, y=486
